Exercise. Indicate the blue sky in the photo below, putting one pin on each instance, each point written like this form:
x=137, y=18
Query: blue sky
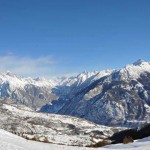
x=57, y=37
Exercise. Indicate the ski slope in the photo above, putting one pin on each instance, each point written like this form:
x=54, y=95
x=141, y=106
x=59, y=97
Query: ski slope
x=9, y=141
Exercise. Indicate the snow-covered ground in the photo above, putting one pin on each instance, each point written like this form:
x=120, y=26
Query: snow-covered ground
x=142, y=144
x=52, y=128
x=9, y=141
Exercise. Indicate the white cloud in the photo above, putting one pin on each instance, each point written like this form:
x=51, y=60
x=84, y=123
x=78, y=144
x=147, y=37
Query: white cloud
x=27, y=66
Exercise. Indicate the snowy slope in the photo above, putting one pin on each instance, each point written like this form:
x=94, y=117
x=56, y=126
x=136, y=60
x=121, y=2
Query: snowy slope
x=9, y=141
x=142, y=144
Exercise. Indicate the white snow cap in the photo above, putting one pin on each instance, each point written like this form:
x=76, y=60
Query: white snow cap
x=133, y=71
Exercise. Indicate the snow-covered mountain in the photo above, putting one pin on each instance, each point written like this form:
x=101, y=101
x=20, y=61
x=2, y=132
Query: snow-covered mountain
x=33, y=93
x=118, y=97
x=109, y=97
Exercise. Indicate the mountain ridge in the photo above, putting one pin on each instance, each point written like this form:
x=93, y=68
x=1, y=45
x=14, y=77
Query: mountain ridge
x=121, y=97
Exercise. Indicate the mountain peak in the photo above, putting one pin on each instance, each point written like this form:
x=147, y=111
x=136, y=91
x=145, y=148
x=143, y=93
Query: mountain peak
x=138, y=62
x=9, y=73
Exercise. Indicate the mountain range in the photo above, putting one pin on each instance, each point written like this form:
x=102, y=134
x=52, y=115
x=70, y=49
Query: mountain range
x=110, y=97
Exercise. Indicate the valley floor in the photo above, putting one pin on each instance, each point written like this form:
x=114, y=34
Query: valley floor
x=10, y=141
